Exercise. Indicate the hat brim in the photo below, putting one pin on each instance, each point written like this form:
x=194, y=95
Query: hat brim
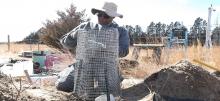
x=94, y=11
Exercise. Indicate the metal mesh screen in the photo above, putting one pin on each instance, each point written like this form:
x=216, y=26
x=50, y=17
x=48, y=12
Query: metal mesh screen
x=97, y=72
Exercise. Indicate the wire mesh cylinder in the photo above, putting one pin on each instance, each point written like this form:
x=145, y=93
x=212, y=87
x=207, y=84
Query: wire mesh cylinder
x=97, y=72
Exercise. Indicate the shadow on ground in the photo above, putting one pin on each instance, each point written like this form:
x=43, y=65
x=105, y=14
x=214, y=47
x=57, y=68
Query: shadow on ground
x=135, y=92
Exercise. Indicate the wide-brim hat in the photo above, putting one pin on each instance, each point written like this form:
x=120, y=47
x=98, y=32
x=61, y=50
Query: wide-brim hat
x=109, y=8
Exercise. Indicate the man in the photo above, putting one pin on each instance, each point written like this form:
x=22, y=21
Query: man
x=105, y=15
x=105, y=19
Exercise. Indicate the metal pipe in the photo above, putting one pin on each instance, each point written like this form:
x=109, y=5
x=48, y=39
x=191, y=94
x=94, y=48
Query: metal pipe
x=107, y=85
x=207, y=65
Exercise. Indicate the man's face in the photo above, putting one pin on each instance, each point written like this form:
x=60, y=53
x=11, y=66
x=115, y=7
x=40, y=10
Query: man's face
x=104, y=19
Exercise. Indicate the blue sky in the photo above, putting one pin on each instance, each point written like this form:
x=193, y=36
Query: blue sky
x=21, y=17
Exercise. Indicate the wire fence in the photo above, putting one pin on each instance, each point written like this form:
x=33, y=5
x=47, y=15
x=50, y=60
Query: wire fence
x=96, y=55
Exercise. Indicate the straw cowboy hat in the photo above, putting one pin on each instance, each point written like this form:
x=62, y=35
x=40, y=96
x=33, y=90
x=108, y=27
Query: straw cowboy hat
x=109, y=8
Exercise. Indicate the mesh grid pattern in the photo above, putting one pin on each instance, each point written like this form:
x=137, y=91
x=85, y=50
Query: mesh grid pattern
x=97, y=72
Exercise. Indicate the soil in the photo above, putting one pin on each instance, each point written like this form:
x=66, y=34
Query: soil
x=185, y=81
x=181, y=82
x=9, y=92
x=127, y=66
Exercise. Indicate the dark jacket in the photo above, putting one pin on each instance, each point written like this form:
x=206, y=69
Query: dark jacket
x=69, y=40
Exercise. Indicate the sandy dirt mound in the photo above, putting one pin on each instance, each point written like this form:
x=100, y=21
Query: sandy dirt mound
x=128, y=68
x=9, y=92
x=185, y=81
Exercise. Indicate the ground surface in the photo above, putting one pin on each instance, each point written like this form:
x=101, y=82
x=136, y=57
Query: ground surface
x=181, y=81
x=144, y=80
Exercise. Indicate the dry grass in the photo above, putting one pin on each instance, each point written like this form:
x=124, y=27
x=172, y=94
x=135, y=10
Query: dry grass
x=16, y=48
x=147, y=64
x=171, y=56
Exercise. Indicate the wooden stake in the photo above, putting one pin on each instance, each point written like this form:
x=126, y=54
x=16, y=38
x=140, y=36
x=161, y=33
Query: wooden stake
x=28, y=76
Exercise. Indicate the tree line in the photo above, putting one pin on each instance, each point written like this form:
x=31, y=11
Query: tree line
x=70, y=18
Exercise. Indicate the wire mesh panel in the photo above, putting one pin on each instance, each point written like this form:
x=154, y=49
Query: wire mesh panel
x=97, y=72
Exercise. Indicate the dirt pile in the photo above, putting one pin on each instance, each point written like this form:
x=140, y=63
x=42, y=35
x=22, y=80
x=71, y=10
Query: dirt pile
x=9, y=89
x=185, y=81
x=127, y=67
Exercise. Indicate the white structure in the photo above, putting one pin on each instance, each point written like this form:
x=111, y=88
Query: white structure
x=17, y=69
x=208, y=41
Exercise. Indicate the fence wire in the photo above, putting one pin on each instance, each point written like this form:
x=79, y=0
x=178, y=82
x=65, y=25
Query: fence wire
x=97, y=71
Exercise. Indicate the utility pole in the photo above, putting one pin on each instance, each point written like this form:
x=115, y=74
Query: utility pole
x=208, y=41
x=30, y=42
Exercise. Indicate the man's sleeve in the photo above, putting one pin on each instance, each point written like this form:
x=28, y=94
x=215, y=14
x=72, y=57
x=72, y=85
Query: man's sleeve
x=123, y=42
x=69, y=40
